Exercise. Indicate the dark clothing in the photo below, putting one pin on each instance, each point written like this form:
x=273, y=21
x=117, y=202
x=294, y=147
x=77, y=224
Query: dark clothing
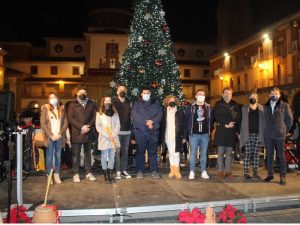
x=124, y=111
x=200, y=125
x=224, y=113
x=78, y=116
x=253, y=121
x=146, y=138
x=280, y=122
x=76, y=157
x=142, y=111
x=190, y=117
x=180, y=129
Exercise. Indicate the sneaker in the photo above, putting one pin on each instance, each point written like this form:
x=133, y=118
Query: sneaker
x=282, y=181
x=192, y=175
x=256, y=176
x=155, y=175
x=140, y=175
x=247, y=176
x=76, y=178
x=118, y=177
x=90, y=177
x=204, y=175
x=125, y=174
x=57, y=178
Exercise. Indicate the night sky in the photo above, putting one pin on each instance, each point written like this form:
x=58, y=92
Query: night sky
x=189, y=20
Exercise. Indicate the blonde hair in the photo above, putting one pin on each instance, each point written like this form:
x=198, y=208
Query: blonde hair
x=167, y=98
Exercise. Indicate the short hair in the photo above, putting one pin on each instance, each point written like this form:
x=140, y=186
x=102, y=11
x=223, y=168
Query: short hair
x=145, y=88
x=167, y=98
x=275, y=89
x=227, y=89
x=78, y=88
x=121, y=85
x=198, y=90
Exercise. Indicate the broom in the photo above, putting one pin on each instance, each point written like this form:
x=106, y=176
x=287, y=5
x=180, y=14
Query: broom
x=48, y=186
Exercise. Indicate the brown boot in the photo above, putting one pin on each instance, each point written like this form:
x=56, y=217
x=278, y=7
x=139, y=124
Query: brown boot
x=221, y=174
x=172, y=172
x=229, y=175
x=177, y=172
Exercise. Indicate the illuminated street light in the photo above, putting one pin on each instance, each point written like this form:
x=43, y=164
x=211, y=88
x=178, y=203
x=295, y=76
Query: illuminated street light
x=226, y=54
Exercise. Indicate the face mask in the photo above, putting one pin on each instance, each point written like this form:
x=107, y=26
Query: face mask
x=274, y=98
x=122, y=94
x=172, y=104
x=53, y=101
x=200, y=98
x=252, y=101
x=107, y=105
x=82, y=96
x=146, y=97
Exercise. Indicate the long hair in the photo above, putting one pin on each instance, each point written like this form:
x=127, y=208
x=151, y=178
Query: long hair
x=101, y=105
x=59, y=107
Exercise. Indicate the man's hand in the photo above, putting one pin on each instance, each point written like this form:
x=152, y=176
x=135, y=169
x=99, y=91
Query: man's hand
x=149, y=124
x=183, y=141
x=85, y=129
x=230, y=125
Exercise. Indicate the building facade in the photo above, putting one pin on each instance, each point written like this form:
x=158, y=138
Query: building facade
x=268, y=58
x=32, y=73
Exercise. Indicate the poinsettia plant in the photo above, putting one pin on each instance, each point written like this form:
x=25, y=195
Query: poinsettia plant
x=229, y=214
x=18, y=215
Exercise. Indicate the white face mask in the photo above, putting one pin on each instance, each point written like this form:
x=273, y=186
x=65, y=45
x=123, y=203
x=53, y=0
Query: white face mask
x=53, y=101
x=200, y=98
x=146, y=97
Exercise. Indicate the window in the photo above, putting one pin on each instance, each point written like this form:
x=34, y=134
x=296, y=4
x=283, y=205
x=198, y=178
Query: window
x=245, y=82
x=75, y=70
x=205, y=73
x=187, y=73
x=33, y=70
x=78, y=48
x=181, y=52
x=58, y=48
x=53, y=70
x=238, y=83
x=280, y=48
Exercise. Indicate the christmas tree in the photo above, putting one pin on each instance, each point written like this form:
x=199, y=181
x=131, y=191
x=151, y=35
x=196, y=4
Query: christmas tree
x=148, y=60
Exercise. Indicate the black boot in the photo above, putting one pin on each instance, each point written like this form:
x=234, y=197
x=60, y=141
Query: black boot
x=106, y=176
x=110, y=176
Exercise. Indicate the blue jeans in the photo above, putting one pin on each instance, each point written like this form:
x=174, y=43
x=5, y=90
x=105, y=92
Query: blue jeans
x=122, y=157
x=277, y=144
x=200, y=140
x=107, y=159
x=53, y=148
x=147, y=141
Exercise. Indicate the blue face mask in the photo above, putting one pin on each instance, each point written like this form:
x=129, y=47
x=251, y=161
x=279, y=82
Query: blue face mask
x=274, y=98
x=146, y=97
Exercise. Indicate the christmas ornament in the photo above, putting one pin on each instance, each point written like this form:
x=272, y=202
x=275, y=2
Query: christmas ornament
x=162, y=51
x=147, y=42
x=112, y=84
x=158, y=63
x=140, y=38
x=129, y=67
x=162, y=13
x=137, y=55
x=147, y=16
x=160, y=91
x=154, y=84
x=163, y=81
x=141, y=71
x=165, y=27
x=134, y=91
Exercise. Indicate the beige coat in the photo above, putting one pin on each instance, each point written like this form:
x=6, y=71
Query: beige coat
x=46, y=125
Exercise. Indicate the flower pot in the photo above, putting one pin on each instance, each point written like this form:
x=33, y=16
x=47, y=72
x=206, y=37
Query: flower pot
x=45, y=214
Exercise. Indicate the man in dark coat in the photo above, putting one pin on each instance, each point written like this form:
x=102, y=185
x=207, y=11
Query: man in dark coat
x=81, y=116
x=227, y=114
x=146, y=114
x=279, y=120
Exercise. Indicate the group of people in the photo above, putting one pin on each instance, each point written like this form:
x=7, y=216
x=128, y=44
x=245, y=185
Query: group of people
x=118, y=121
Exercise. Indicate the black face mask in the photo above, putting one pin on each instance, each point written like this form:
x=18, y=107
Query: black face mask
x=252, y=101
x=122, y=94
x=172, y=104
x=82, y=97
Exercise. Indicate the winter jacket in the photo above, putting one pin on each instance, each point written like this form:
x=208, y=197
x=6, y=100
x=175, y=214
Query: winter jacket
x=46, y=125
x=225, y=113
x=124, y=112
x=143, y=111
x=189, y=117
x=79, y=116
x=280, y=122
